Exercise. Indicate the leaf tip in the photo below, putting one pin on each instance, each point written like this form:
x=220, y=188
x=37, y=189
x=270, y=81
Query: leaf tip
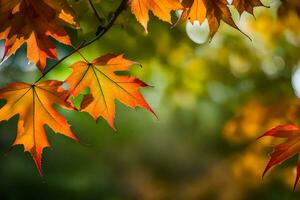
x=38, y=162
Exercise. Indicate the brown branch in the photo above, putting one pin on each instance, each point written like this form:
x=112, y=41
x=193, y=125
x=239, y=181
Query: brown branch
x=115, y=15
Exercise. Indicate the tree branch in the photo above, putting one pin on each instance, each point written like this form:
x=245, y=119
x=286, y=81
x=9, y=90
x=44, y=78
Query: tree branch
x=115, y=15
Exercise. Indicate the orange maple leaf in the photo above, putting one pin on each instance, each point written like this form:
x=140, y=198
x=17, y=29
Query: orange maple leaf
x=246, y=5
x=106, y=86
x=161, y=9
x=34, y=105
x=33, y=22
x=285, y=150
x=194, y=10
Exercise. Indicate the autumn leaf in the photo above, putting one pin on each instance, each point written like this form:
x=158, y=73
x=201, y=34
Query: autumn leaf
x=288, y=6
x=34, y=105
x=214, y=11
x=106, y=86
x=218, y=10
x=285, y=150
x=33, y=22
x=246, y=5
x=194, y=10
x=161, y=9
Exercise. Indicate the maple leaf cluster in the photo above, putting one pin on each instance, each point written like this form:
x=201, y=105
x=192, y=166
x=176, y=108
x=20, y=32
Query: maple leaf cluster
x=34, y=102
x=34, y=22
x=214, y=11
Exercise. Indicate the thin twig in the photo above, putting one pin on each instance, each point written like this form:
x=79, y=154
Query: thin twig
x=95, y=11
x=110, y=23
x=60, y=61
x=115, y=15
x=81, y=55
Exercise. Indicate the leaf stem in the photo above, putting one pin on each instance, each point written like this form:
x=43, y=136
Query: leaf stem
x=84, y=43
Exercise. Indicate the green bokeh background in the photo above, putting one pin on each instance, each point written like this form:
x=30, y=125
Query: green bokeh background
x=196, y=90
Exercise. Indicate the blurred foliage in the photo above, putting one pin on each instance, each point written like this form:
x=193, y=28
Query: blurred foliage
x=213, y=100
